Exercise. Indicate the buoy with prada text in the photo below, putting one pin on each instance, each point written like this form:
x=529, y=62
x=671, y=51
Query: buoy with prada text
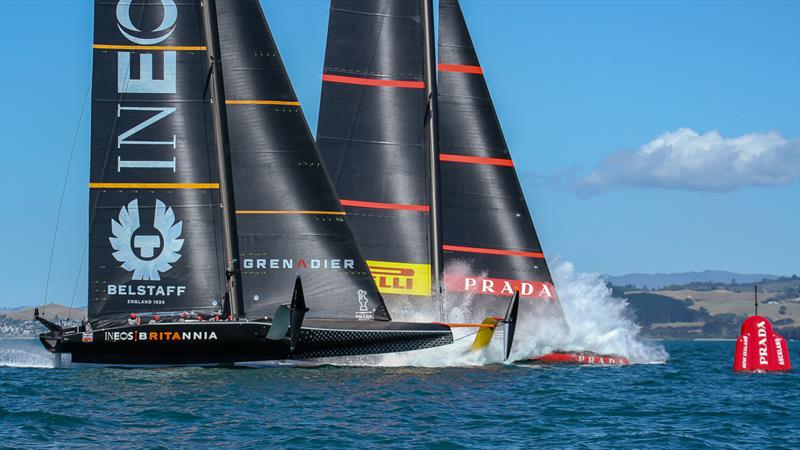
x=759, y=348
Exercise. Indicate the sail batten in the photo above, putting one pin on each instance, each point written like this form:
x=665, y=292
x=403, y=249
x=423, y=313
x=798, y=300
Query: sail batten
x=366, y=81
x=100, y=185
x=460, y=158
x=463, y=68
x=381, y=205
x=263, y=102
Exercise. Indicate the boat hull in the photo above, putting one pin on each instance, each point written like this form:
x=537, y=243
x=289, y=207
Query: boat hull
x=227, y=343
x=578, y=358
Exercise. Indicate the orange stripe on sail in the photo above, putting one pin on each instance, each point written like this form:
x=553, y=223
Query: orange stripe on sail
x=491, y=251
x=373, y=81
x=460, y=68
x=153, y=185
x=262, y=102
x=379, y=205
x=476, y=160
x=153, y=48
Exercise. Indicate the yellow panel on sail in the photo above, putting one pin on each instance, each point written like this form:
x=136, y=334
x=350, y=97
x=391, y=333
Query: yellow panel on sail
x=401, y=278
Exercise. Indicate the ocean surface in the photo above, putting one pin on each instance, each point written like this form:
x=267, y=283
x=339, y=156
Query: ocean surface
x=692, y=400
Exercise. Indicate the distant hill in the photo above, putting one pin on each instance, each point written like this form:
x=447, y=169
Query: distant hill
x=19, y=323
x=50, y=312
x=660, y=280
x=703, y=309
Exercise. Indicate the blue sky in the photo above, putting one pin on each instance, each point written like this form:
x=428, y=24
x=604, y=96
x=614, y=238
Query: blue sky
x=586, y=92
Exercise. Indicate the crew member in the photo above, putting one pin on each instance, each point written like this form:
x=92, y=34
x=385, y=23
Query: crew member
x=134, y=320
x=156, y=318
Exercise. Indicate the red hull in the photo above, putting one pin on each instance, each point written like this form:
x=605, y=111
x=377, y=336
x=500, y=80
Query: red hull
x=579, y=358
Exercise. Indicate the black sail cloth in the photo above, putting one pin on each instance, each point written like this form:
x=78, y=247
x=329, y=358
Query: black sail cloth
x=288, y=216
x=154, y=229
x=490, y=244
x=371, y=137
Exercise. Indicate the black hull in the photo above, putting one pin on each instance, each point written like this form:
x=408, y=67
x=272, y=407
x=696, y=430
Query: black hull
x=227, y=343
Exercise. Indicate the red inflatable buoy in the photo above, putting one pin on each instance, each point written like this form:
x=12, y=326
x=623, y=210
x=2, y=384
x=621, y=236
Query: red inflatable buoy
x=760, y=349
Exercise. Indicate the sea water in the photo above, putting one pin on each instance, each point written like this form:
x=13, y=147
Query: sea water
x=693, y=400
x=679, y=394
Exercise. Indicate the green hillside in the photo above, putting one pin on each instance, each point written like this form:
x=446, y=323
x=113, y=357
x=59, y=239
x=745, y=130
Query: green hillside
x=713, y=310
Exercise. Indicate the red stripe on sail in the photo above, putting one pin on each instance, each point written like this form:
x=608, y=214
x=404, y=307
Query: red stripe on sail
x=491, y=251
x=476, y=160
x=477, y=70
x=373, y=81
x=379, y=205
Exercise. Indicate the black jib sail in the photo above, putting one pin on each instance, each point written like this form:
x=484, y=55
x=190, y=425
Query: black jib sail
x=288, y=216
x=154, y=204
x=490, y=245
x=371, y=137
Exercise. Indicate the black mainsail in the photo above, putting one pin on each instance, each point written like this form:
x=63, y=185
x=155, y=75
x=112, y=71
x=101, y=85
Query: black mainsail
x=372, y=133
x=371, y=137
x=486, y=221
x=155, y=239
x=206, y=184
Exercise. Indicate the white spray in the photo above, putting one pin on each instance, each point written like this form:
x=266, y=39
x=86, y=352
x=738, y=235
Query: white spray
x=24, y=353
x=597, y=321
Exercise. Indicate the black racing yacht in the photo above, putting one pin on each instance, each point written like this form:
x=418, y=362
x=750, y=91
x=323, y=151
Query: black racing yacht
x=215, y=233
x=418, y=156
x=452, y=227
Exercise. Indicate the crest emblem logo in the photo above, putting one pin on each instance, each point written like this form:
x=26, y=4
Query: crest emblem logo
x=147, y=264
x=363, y=312
x=362, y=300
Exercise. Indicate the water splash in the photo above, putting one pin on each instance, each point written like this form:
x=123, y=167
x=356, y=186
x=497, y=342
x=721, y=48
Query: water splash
x=596, y=322
x=24, y=353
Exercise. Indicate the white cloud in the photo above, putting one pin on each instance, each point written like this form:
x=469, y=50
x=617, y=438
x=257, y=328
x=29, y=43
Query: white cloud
x=685, y=159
